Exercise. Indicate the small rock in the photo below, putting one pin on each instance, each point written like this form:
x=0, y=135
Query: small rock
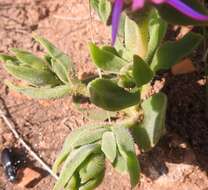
x=183, y=67
x=28, y=176
x=202, y=82
x=183, y=31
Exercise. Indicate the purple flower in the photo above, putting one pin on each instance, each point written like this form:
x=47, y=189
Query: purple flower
x=138, y=4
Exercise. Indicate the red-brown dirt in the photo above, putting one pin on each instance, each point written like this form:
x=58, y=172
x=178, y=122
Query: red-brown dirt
x=179, y=162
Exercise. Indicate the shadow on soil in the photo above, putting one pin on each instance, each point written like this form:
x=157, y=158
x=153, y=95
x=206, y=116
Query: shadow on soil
x=187, y=138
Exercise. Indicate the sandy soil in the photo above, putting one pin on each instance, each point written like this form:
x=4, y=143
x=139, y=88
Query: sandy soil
x=179, y=162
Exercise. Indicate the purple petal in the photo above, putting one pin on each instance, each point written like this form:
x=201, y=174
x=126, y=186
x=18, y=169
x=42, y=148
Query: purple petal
x=186, y=10
x=158, y=1
x=116, y=19
x=137, y=4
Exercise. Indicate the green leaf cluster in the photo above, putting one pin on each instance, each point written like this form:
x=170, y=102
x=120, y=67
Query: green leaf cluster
x=52, y=76
x=134, y=61
x=82, y=159
x=125, y=70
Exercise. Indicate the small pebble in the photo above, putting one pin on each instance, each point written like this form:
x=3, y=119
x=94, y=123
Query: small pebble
x=28, y=175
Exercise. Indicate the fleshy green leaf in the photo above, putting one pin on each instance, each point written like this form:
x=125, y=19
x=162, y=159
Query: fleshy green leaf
x=104, y=10
x=93, y=183
x=48, y=59
x=171, y=52
x=133, y=168
x=74, y=160
x=136, y=36
x=73, y=183
x=126, y=81
x=109, y=146
x=7, y=58
x=57, y=55
x=119, y=44
x=79, y=137
x=90, y=136
x=105, y=59
x=124, y=139
x=173, y=16
x=148, y=133
x=30, y=60
x=157, y=31
x=95, y=5
x=92, y=167
x=141, y=71
x=43, y=92
x=67, y=147
x=60, y=71
x=32, y=75
x=126, y=148
x=120, y=163
x=110, y=49
x=109, y=96
x=99, y=114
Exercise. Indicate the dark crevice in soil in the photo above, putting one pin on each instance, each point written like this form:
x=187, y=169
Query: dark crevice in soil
x=186, y=114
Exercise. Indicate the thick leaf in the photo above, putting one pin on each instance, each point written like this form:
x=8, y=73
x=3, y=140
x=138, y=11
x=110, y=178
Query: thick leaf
x=120, y=163
x=7, y=58
x=148, y=133
x=57, y=55
x=73, y=183
x=109, y=146
x=79, y=137
x=127, y=81
x=141, y=136
x=126, y=148
x=126, y=78
x=90, y=136
x=173, y=16
x=171, y=52
x=60, y=71
x=30, y=60
x=32, y=75
x=74, y=160
x=95, y=5
x=43, y=92
x=132, y=37
x=133, y=168
x=98, y=114
x=109, y=96
x=119, y=44
x=92, y=167
x=104, y=10
x=111, y=49
x=93, y=183
x=124, y=139
x=141, y=71
x=48, y=59
x=136, y=36
x=67, y=147
x=106, y=60
x=157, y=31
